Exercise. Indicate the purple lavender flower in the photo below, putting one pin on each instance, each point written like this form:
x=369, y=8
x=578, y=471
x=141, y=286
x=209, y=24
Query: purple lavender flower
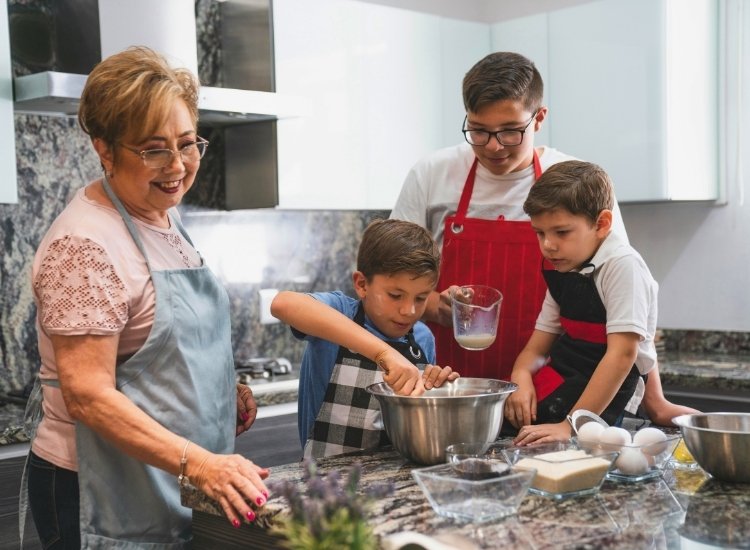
x=326, y=496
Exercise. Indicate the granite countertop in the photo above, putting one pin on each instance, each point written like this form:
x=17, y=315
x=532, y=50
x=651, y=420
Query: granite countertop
x=718, y=371
x=657, y=513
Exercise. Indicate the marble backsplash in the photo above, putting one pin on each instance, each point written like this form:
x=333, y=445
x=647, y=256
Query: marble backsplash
x=249, y=250
x=706, y=342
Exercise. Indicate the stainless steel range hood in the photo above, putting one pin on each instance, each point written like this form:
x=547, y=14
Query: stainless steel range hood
x=57, y=94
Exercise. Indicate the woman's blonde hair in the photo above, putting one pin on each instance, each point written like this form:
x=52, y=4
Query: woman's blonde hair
x=129, y=96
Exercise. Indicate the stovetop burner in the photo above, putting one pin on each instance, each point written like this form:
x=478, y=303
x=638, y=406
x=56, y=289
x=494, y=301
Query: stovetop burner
x=261, y=368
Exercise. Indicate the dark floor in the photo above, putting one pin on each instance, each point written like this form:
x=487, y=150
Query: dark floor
x=271, y=442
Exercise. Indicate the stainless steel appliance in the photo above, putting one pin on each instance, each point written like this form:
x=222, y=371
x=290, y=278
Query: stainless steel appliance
x=244, y=108
x=261, y=368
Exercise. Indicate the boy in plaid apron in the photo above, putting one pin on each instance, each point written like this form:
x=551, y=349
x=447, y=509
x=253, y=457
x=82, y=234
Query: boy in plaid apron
x=353, y=343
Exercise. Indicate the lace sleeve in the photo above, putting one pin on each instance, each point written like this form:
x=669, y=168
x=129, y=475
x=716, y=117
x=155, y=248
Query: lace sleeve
x=78, y=289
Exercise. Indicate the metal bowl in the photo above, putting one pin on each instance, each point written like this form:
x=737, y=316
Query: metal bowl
x=467, y=410
x=719, y=442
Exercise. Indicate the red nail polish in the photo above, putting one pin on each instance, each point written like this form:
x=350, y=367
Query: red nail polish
x=260, y=501
x=250, y=515
x=265, y=494
x=244, y=417
x=236, y=523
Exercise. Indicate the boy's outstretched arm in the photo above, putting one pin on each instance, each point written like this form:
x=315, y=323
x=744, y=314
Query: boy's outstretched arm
x=622, y=349
x=520, y=408
x=315, y=318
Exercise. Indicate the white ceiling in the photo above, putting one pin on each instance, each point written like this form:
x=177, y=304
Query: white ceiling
x=487, y=11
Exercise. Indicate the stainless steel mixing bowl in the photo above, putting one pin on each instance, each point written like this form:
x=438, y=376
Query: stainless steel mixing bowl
x=467, y=410
x=719, y=442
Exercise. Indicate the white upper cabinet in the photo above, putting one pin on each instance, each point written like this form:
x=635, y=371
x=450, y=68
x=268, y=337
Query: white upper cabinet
x=633, y=86
x=383, y=87
x=8, y=185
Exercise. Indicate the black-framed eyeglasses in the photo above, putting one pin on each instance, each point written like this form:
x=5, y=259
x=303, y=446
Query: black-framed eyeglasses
x=159, y=158
x=504, y=137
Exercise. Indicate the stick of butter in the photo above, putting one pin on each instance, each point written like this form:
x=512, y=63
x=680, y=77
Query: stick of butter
x=566, y=471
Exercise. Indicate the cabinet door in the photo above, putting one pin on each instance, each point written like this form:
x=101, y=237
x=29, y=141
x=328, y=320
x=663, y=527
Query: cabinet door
x=608, y=92
x=8, y=189
x=634, y=88
x=383, y=86
x=631, y=86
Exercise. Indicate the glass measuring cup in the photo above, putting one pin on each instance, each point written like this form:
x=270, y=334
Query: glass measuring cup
x=476, y=310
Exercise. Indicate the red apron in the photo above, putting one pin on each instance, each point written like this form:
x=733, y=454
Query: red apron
x=498, y=253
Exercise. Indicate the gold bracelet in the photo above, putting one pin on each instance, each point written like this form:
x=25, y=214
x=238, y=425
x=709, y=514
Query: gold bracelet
x=182, y=479
x=379, y=360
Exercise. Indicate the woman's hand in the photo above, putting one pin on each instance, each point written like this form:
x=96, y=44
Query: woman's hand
x=234, y=482
x=399, y=373
x=247, y=409
x=543, y=433
x=435, y=376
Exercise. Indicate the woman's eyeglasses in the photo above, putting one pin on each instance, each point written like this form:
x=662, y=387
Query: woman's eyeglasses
x=159, y=158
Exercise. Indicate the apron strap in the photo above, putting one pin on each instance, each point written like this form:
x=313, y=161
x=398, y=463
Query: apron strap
x=181, y=228
x=414, y=349
x=32, y=416
x=23, y=500
x=131, y=226
x=537, y=167
x=463, y=203
x=126, y=218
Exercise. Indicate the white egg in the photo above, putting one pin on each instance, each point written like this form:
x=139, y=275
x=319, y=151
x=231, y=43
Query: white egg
x=590, y=432
x=651, y=440
x=631, y=462
x=615, y=436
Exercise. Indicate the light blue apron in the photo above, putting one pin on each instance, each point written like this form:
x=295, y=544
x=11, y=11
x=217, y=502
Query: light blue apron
x=183, y=377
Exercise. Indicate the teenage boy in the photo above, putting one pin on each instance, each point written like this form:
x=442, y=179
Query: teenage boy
x=470, y=197
x=594, y=336
x=352, y=343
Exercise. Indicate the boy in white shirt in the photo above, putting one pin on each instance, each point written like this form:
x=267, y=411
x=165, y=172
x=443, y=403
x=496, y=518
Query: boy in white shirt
x=594, y=336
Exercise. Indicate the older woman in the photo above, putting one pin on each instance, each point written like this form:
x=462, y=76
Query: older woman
x=134, y=335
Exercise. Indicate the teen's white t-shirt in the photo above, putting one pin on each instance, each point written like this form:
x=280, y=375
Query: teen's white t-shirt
x=433, y=187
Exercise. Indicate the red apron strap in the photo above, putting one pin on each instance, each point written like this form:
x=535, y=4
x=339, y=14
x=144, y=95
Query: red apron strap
x=537, y=167
x=463, y=204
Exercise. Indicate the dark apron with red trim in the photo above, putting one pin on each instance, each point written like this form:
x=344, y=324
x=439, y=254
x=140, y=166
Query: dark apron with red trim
x=349, y=418
x=578, y=351
x=498, y=253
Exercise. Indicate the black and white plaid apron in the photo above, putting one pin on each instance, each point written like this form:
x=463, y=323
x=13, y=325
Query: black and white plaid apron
x=349, y=418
